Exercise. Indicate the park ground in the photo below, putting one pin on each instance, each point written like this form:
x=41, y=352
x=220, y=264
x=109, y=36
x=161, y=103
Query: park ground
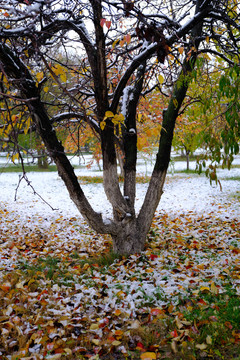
x=65, y=295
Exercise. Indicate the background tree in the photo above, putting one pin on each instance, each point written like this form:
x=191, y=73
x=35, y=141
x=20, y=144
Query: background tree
x=137, y=37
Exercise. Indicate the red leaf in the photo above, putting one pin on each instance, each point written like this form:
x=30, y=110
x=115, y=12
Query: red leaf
x=103, y=322
x=108, y=24
x=174, y=333
x=201, y=301
x=140, y=347
x=128, y=38
x=102, y=22
x=228, y=325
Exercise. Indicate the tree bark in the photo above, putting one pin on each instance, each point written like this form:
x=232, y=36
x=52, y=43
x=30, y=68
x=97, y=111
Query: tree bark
x=130, y=138
x=130, y=239
x=187, y=156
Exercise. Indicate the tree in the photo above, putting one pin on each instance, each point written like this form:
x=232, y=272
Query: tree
x=221, y=135
x=140, y=38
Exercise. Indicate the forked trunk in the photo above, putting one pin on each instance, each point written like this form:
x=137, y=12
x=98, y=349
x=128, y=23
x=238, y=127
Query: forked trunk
x=130, y=239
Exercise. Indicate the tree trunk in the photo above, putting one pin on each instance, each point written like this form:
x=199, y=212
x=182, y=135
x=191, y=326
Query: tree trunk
x=130, y=239
x=187, y=156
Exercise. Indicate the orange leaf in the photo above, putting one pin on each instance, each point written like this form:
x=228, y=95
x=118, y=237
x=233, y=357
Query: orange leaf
x=148, y=356
x=174, y=333
x=6, y=286
x=181, y=49
x=157, y=311
x=118, y=332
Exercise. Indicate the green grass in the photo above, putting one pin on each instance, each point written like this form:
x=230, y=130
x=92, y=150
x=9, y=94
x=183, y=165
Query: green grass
x=234, y=166
x=27, y=168
x=235, y=178
x=186, y=171
x=50, y=268
x=99, y=179
x=100, y=261
x=184, y=158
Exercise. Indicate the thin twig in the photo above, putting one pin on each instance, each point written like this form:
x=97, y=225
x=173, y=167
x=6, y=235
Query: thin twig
x=24, y=177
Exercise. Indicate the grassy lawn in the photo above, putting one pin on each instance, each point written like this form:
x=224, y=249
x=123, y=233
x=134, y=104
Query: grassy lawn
x=28, y=168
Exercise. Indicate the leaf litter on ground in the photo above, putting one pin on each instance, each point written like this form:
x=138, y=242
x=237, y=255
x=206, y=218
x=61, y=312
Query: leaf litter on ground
x=58, y=301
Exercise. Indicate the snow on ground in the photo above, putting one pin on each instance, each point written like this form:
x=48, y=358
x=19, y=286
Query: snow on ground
x=182, y=193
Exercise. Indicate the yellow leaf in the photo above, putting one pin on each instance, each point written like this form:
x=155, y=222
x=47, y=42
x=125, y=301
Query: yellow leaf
x=96, y=341
x=58, y=69
x=45, y=89
x=15, y=157
x=207, y=39
x=150, y=270
x=116, y=343
x=86, y=266
x=109, y=114
x=214, y=289
x=201, y=346
x=115, y=43
x=161, y=79
x=209, y=340
x=31, y=281
x=118, y=118
x=204, y=288
x=63, y=77
x=20, y=285
x=175, y=103
x=120, y=293
x=94, y=327
x=226, y=271
x=27, y=126
x=102, y=124
x=148, y=356
x=14, y=118
x=39, y=76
